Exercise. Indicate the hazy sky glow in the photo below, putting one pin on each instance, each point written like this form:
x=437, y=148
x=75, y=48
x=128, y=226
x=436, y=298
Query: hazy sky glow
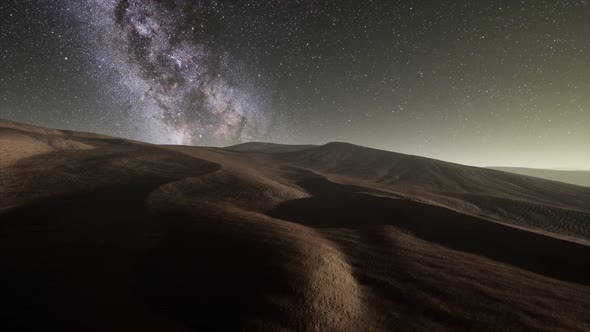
x=474, y=82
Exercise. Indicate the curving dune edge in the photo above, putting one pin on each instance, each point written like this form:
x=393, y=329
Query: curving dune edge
x=106, y=234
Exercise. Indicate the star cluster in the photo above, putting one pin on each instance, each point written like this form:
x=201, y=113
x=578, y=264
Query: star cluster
x=485, y=83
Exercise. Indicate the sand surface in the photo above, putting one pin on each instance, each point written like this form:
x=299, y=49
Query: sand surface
x=106, y=234
x=577, y=177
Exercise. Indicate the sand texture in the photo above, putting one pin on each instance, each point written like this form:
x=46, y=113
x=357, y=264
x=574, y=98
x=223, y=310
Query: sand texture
x=106, y=234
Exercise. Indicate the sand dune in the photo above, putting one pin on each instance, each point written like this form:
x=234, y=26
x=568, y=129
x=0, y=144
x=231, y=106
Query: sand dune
x=577, y=177
x=267, y=147
x=106, y=234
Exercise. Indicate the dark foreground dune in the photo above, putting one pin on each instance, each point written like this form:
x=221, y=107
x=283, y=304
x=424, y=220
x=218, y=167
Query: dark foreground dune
x=105, y=234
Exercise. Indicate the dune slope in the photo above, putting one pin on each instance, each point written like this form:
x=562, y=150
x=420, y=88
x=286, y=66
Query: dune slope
x=577, y=177
x=99, y=233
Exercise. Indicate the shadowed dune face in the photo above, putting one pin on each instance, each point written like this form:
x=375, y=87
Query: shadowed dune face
x=343, y=206
x=557, y=208
x=104, y=234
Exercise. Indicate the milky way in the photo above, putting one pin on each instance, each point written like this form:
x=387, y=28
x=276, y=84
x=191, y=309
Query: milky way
x=189, y=91
x=483, y=83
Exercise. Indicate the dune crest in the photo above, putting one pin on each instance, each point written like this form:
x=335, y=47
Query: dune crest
x=99, y=233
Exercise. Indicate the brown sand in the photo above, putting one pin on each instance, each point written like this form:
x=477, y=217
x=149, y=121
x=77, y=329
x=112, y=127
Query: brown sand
x=577, y=177
x=105, y=234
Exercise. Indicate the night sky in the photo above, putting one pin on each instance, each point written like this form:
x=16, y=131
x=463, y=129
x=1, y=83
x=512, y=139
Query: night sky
x=476, y=82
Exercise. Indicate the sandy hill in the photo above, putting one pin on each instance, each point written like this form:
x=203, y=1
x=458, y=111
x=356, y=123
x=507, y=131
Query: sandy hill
x=105, y=234
x=263, y=147
x=577, y=177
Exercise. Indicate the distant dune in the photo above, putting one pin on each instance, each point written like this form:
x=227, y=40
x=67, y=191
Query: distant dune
x=267, y=147
x=580, y=178
x=106, y=234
